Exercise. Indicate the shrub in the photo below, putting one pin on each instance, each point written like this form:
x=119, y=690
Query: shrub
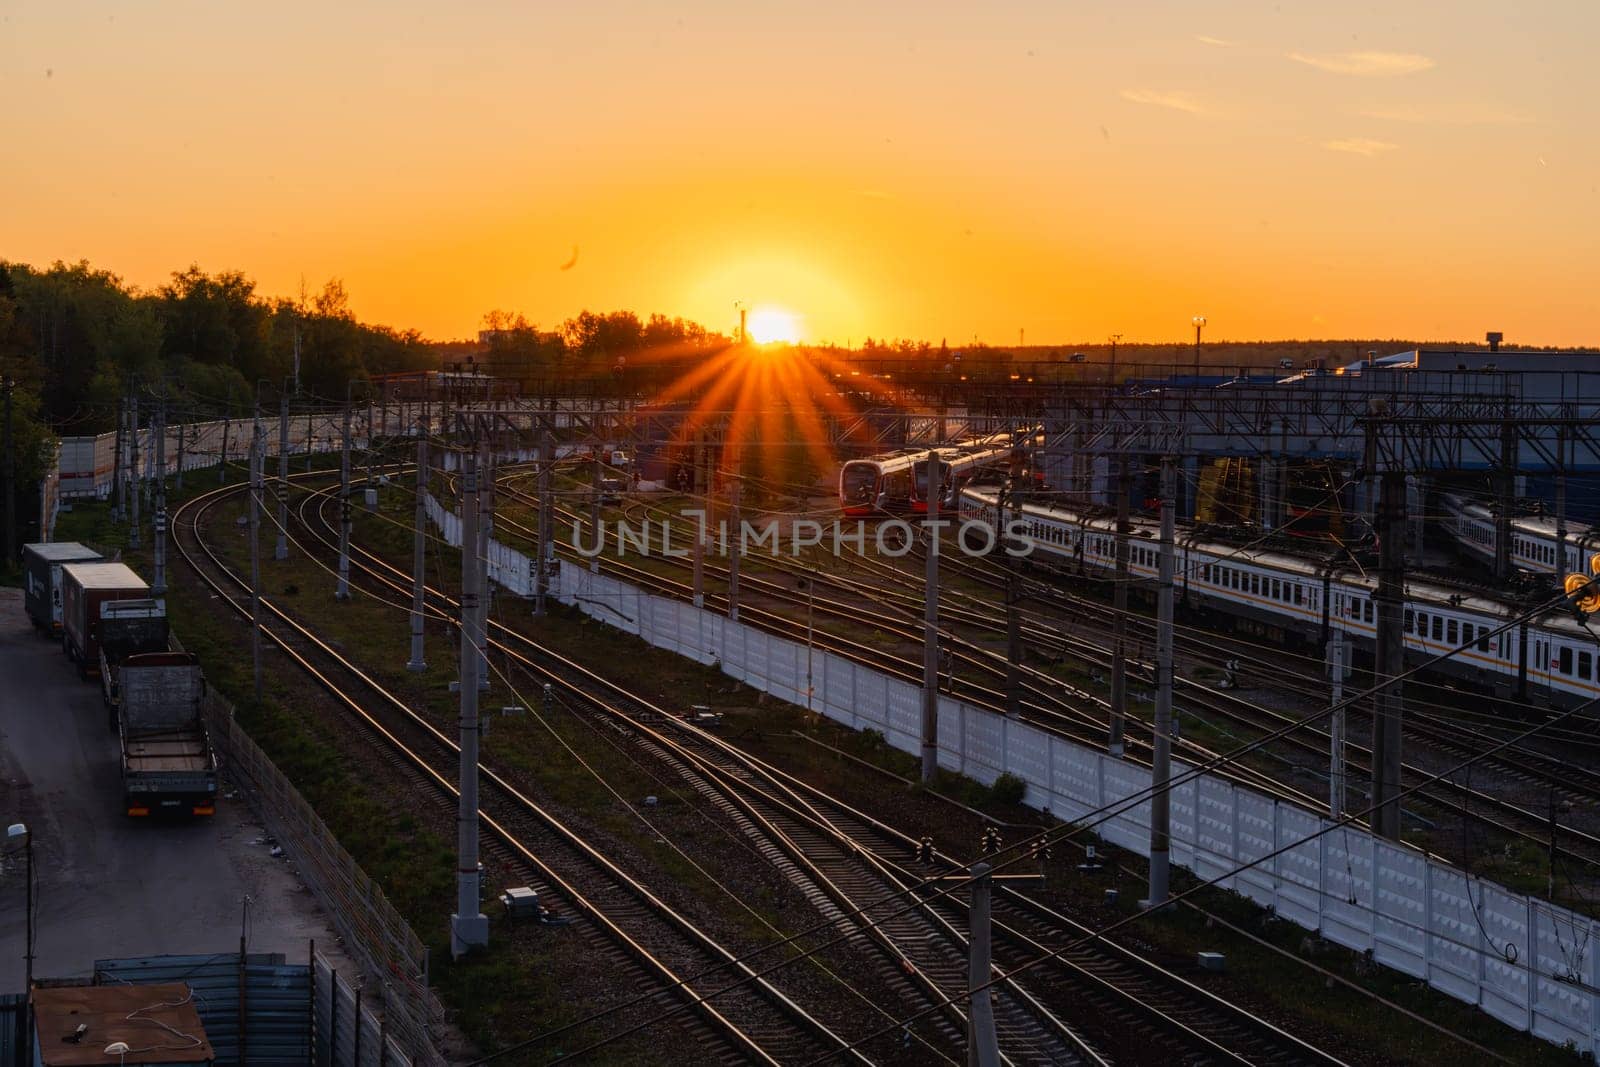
x=1008, y=789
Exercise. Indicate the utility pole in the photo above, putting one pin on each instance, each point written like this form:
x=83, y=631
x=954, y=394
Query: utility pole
x=419, y=558
x=158, y=585
x=343, y=591
x=469, y=928
x=1161, y=766
x=256, y=458
x=136, y=486
x=542, y=578
x=1119, y=610
x=1338, y=670
x=1388, y=705
x=983, y=1048
x=282, y=550
x=178, y=476
x=930, y=624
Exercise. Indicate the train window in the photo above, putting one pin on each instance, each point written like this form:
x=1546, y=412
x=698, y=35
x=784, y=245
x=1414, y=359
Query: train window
x=1451, y=634
x=1585, y=665
x=1299, y=595
x=1466, y=633
x=1566, y=661
x=1483, y=642
x=1277, y=591
x=1255, y=584
x=1205, y=572
x=1409, y=626
x=1371, y=610
x=1422, y=624
x=1438, y=628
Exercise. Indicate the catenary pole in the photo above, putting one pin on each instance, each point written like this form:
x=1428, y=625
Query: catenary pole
x=486, y=486
x=158, y=584
x=281, y=551
x=1119, y=609
x=11, y=482
x=469, y=928
x=1161, y=765
x=594, y=511
x=983, y=1047
x=256, y=448
x=119, y=461
x=735, y=548
x=1338, y=657
x=542, y=566
x=343, y=591
x=419, y=559
x=136, y=485
x=930, y=623
x=1389, y=656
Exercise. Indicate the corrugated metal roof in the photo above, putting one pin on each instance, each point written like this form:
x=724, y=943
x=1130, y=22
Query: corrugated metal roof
x=277, y=1001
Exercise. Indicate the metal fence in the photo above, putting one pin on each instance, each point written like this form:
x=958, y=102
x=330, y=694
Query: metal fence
x=1528, y=963
x=13, y=1029
x=349, y=1034
x=257, y=1009
x=392, y=957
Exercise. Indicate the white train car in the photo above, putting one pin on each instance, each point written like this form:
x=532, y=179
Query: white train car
x=1533, y=537
x=1552, y=656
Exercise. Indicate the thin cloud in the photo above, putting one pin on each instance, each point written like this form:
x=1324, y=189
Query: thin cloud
x=1216, y=42
x=1475, y=118
x=1367, y=64
x=1177, y=101
x=1360, y=146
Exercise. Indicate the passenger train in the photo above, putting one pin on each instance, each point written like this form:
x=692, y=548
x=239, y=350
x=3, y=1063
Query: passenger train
x=1552, y=656
x=898, y=481
x=1533, y=537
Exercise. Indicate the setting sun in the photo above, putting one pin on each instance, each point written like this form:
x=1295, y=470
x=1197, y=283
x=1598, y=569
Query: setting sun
x=769, y=325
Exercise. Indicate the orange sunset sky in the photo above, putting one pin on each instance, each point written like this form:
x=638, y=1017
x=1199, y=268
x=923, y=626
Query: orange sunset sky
x=1074, y=169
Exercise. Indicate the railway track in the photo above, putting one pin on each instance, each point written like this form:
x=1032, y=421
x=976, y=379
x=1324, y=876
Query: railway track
x=1571, y=783
x=738, y=1017
x=1050, y=703
x=1129, y=996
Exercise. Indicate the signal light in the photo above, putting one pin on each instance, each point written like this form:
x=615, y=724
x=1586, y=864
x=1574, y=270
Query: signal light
x=1590, y=603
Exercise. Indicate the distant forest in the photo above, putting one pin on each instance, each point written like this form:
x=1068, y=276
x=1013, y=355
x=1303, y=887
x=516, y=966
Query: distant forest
x=72, y=337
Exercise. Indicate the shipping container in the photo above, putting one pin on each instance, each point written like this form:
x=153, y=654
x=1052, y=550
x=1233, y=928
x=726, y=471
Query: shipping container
x=84, y=587
x=41, y=567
